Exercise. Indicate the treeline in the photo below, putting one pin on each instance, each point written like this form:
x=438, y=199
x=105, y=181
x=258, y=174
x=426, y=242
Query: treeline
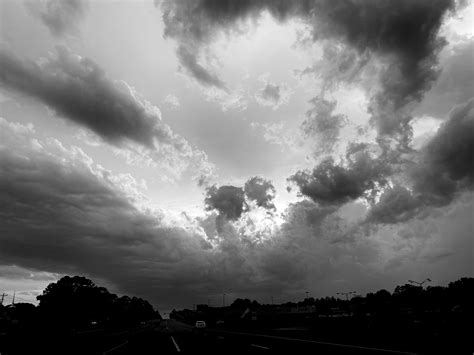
x=408, y=298
x=77, y=303
x=456, y=297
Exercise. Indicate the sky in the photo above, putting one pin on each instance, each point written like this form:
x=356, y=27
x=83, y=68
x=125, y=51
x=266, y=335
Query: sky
x=179, y=150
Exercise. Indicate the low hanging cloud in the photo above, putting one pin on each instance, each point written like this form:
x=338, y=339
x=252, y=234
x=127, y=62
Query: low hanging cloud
x=60, y=16
x=402, y=35
x=78, y=90
x=443, y=169
x=362, y=176
x=63, y=214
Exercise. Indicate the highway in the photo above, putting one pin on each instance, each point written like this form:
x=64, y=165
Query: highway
x=172, y=337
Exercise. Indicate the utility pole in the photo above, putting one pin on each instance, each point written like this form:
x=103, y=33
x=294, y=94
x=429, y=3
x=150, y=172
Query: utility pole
x=13, y=300
x=306, y=294
x=223, y=300
x=3, y=297
x=272, y=300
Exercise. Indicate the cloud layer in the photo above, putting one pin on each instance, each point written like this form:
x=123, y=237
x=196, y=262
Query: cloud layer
x=78, y=90
x=402, y=35
x=361, y=175
x=66, y=214
x=442, y=170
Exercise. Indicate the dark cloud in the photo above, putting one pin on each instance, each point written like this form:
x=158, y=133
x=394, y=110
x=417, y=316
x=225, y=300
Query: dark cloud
x=79, y=90
x=261, y=191
x=229, y=201
x=397, y=204
x=60, y=16
x=403, y=34
x=14, y=272
x=444, y=168
x=446, y=163
x=190, y=63
x=332, y=184
x=322, y=124
x=63, y=214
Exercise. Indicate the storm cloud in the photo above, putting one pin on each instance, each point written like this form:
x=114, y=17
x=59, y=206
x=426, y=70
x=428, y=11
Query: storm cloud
x=64, y=214
x=232, y=201
x=403, y=35
x=443, y=170
x=78, y=90
x=446, y=164
x=229, y=201
x=329, y=183
x=261, y=191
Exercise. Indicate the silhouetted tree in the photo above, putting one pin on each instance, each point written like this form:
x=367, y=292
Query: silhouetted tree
x=75, y=301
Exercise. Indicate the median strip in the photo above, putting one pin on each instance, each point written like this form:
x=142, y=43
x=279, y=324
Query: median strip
x=320, y=342
x=259, y=346
x=115, y=348
x=176, y=345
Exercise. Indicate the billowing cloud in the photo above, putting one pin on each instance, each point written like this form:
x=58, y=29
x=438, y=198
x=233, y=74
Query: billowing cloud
x=65, y=214
x=261, y=191
x=77, y=89
x=328, y=183
x=443, y=169
x=60, y=16
x=397, y=204
x=402, y=35
x=229, y=201
x=322, y=125
x=446, y=163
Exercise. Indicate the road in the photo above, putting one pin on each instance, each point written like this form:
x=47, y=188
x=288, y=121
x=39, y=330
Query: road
x=172, y=337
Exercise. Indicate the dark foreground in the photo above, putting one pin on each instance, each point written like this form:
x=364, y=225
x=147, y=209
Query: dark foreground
x=172, y=337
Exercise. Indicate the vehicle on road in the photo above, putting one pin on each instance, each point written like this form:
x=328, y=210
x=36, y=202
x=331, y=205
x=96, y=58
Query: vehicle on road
x=200, y=324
